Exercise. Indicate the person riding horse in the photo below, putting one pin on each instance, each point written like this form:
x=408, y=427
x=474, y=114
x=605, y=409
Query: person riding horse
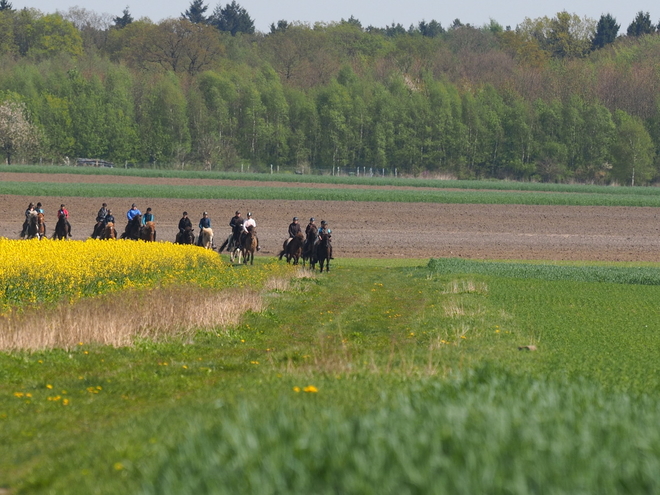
x=185, y=230
x=148, y=217
x=100, y=219
x=29, y=211
x=249, y=222
x=204, y=223
x=63, y=213
x=236, y=224
x=294, y=230
x=134, y=217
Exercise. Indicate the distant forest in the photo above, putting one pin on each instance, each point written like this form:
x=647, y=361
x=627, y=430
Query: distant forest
x=561, y=99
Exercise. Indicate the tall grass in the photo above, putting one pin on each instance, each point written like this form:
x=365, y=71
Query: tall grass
x=483, y=432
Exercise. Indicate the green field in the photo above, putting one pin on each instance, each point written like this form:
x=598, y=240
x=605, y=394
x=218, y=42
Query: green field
x=380, y=377
x=611, y=198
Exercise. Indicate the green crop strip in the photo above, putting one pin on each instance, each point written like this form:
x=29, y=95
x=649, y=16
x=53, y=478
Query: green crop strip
x=329, y=194
x=643, y=275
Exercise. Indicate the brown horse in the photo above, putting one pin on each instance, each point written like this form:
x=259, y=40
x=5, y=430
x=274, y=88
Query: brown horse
x=41, y=226
x=109, y=231
x=249, y=245
x=148, y=232
x=309, y=250
x=293, y=248
x=322, y=253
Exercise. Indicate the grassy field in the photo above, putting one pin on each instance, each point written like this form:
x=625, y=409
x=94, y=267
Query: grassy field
x=380, y=377
x=609, y=197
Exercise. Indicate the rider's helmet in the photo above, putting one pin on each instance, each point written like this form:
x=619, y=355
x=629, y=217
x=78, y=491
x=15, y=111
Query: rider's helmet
x=185, y=213
x=237, y=212
x=311, y=219
x=133, y=205
x=322, y=222
x=148, y=209
x=249, y=214
x=205, y=213
x=104, y=205
x=62, y=206
x=295, y=219
x=31, y=205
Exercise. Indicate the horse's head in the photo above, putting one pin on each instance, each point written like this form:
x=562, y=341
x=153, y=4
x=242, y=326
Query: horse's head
x=250, y=229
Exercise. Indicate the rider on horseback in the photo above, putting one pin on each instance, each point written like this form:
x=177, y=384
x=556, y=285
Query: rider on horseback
x=204, y=223
x=29, y=211
x=325, y=233
x=147, y=217
x=107, y=219
x=294, y=230
x=39, y=208
x=63, y=213
x=250, y=222
x=100, y=219
x=236, y=224
x=184, y=222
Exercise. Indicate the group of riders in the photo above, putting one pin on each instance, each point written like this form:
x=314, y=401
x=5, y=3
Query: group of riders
x=240, y=227
x=35, y=224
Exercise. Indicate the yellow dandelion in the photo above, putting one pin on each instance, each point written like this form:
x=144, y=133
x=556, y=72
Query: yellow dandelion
x=296, y=389
x=311, y=389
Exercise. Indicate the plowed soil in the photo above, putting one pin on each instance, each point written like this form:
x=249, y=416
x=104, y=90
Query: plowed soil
x=380, y=230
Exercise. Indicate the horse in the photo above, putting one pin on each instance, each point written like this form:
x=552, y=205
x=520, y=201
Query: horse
x=41, y=226
x=32, y=230
x=293, y=248
x=309, y=251
x=148, y=232
x=323, y=253
x=249, y=245
x=132, y=230
x=185, y=237
x=61, y=230
x=109, y=231
x=206, y=238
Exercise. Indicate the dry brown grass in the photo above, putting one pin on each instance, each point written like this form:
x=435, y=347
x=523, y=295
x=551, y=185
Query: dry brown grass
x=119, y=319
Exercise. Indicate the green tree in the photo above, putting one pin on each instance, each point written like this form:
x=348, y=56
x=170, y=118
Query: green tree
x=232, y=18
x=632, y=151
x=641, y=25
x=195, y=12
x=606, y=32
x=6, y=6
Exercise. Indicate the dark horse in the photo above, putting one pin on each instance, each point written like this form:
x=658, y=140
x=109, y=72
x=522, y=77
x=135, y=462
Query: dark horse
x=148, y=232
x=249, y=245
x=32, y=230
x=132, y=230
x=185, y=237
x=309, y=251
x=293, y=248
x=323, y=253
x=61, y=229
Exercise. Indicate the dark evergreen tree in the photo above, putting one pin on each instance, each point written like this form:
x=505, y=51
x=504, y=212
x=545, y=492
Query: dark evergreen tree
x=233, y=19
x=195, y=12
x=431, y=29
x=124, y=20
x=641, y=25
x=6, y=6
x=606, y=32
x=281, y=27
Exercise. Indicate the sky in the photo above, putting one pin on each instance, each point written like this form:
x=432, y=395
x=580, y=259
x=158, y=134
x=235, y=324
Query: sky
x=369, y=12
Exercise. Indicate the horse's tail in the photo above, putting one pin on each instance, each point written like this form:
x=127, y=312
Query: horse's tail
x=281, y=254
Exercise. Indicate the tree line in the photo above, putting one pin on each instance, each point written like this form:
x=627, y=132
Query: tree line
x=553, y=99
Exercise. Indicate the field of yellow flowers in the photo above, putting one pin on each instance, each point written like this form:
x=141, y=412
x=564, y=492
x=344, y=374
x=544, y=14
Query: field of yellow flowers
x=36, y=272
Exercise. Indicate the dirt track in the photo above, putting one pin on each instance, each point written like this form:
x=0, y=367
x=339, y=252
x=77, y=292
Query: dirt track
x=393, y=230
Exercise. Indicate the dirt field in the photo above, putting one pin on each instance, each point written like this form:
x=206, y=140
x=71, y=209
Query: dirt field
x=392, y=230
